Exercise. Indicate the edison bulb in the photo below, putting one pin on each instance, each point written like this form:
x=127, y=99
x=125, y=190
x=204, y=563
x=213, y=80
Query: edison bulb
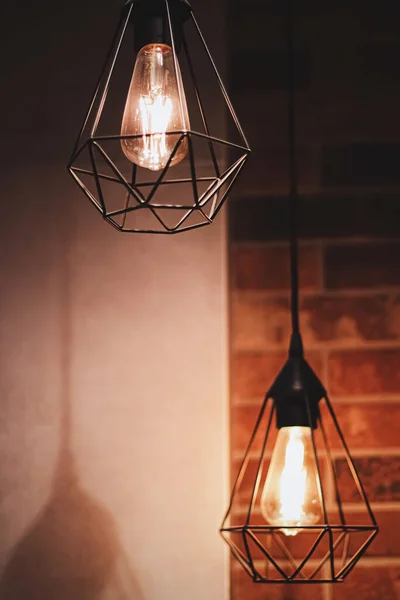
x=155, y=108
x=291, y=494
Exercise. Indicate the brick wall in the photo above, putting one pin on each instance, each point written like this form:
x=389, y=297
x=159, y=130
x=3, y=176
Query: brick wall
x=348, y=93
x=350, y=317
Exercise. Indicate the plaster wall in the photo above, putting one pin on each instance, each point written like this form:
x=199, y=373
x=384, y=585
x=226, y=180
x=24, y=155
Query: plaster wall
x=113, y=355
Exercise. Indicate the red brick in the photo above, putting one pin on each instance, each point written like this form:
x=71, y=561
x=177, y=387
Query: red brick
x=374, y=583
x=245, y=490
x=250, y=183
x=364, y=372
x=266, y=267
x=243, y=420
x=362, y=265
x=259, y=322
x=336, y=217
x=311, y=124
x=254, y=372
x=243, y=588
x=255, y=178
x=387, y=542
x=275, y=121
x=359, y=163
x=352, y=319
x=380, y=477
x=363, y=425
x=351, y=113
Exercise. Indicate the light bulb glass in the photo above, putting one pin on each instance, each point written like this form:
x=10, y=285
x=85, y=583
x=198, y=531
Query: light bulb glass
x=291, y=495
x=155, y=107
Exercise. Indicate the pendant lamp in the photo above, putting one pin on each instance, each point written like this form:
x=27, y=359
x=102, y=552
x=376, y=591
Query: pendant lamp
x=147, y=155
x=288, y=521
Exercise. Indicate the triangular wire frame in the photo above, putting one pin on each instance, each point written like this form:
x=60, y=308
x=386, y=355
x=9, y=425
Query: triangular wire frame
x=201, y=182
x=322, y=553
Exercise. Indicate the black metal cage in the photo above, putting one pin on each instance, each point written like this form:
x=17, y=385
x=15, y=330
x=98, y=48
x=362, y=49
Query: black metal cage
x=176, y=198
x=326, y=551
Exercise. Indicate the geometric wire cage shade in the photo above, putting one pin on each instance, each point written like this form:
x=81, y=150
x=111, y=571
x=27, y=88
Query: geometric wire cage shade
x=324, y=552
x=177, y=197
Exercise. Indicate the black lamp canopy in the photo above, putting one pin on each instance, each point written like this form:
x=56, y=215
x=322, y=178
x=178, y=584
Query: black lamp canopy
x=324, y=548
x=172, y=197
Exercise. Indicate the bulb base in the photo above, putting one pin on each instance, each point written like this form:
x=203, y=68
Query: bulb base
x=151, y=23
x=296, y=392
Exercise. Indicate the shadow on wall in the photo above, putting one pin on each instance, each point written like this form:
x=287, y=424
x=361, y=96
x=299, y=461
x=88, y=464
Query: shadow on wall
x=72, y=550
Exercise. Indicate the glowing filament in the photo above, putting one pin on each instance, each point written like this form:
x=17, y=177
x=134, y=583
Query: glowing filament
x=155, y=111
x=293, y=482
x=291, y=494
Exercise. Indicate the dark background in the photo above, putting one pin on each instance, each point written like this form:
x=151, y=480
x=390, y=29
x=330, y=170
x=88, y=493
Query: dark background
x=348, y=91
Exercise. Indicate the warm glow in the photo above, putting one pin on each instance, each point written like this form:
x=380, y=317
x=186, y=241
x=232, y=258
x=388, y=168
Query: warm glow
x=155, y=106
x=293, y=481
x=291, y=495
